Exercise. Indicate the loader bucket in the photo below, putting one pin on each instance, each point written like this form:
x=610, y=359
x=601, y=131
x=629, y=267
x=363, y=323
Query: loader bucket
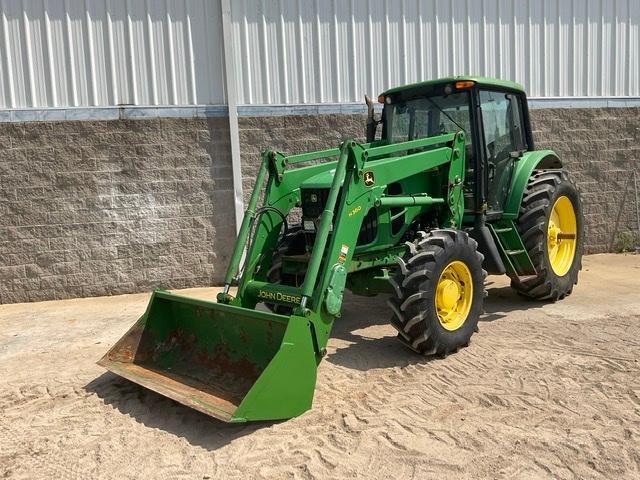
x=232, y=363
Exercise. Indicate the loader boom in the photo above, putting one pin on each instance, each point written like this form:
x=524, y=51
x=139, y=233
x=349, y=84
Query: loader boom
x=362, y=173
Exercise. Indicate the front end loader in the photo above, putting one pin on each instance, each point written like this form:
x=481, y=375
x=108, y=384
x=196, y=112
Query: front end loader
x=450, y=189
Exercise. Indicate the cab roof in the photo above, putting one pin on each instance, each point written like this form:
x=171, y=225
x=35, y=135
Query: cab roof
x=483, y=81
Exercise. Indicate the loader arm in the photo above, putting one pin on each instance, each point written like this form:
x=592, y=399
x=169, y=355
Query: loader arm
x=360, y=176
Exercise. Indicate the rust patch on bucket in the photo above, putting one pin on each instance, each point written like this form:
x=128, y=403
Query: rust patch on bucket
x=222, y=363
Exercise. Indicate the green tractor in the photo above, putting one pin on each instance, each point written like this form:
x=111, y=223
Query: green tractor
x=452, y=189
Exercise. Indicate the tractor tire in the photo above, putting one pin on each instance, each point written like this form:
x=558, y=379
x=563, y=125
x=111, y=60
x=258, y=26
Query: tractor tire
x=291, y=244
x=550, y=209
x=439, y=292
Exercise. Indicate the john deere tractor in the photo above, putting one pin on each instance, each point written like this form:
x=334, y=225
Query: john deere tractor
x=449, y=189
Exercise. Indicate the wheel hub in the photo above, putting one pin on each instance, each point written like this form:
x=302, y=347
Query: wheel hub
x=454, y=295
x=561, y=236
x=448, y=293
x=552, y=234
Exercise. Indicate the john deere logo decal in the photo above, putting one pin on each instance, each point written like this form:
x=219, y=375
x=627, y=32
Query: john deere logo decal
x=279, y=296
x=369, y=179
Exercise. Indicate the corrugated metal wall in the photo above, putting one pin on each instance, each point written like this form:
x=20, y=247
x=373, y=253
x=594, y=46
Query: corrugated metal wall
x=66, y=53
x=309, y=51
x=61, y=53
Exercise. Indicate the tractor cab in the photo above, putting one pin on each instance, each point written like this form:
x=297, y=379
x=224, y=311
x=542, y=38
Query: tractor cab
x=492, y=113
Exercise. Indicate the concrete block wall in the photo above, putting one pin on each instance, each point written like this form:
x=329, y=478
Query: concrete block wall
x=601, y=149
x=110, y=207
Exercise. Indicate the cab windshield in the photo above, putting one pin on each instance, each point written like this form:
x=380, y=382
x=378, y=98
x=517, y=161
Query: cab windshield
x=422, y=117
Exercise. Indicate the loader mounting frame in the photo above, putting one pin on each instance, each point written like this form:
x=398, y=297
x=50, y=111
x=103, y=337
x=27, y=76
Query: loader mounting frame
x=362, y=172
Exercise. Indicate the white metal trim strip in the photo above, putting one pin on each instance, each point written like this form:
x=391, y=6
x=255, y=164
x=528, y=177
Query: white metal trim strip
x=109, y=113
x=584, y=102
x=206, y=111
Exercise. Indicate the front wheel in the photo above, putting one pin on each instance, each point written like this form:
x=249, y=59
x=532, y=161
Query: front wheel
x=551, y=227
x=439, y=292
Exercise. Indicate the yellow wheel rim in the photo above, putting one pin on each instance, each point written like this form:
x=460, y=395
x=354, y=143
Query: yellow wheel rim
x=454, y=295
x=562, y=234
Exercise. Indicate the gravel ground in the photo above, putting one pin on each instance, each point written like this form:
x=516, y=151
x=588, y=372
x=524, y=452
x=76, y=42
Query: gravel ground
x=543, y=391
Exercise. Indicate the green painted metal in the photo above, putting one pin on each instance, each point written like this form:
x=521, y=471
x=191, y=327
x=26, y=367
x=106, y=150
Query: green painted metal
x=334, y=293
x=380, y=258
x=325, y=220
x=388, y=149
x=306, y=157
x=512, y=250
x=285, y=388
x=408, y=201
x=268, y=292
x=218, y=359
x=482, y=81
x=368, y=284
x=524, y=167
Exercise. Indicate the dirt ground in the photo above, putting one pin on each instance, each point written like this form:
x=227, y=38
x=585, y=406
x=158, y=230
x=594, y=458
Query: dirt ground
x=543, y=391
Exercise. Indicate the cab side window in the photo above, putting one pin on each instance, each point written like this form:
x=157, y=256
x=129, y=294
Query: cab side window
x=503, y=121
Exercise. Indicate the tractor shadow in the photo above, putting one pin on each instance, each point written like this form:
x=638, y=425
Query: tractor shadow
x=158, y=412
x=363, y=339
x=502, y=300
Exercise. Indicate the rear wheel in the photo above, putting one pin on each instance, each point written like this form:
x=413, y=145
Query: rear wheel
x=439, y=292
x=551, y=227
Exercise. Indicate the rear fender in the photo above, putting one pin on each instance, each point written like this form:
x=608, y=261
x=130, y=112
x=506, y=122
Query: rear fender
x=530, y=161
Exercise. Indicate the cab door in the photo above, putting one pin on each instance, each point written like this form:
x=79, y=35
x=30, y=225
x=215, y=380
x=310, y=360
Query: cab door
x=504, y=142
